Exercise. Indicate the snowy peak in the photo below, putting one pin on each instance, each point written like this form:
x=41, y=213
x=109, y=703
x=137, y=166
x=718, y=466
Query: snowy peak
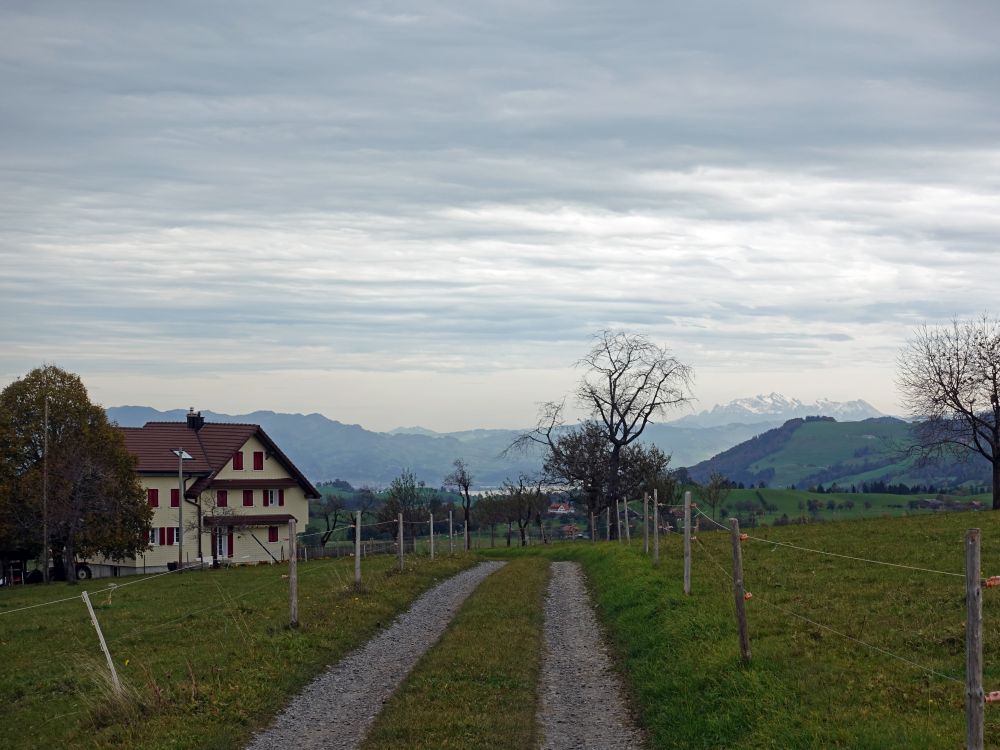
x=776, y=408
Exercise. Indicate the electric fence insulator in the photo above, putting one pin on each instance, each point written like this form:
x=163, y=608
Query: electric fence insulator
x=992, y=582
x=744, y=537
x=993, y=697
x=694, y=539
x=747, y=596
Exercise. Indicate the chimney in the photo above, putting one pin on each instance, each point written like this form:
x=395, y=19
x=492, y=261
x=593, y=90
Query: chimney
x=194, y=420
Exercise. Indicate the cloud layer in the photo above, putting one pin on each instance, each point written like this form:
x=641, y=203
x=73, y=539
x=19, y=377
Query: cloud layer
x=315, y=194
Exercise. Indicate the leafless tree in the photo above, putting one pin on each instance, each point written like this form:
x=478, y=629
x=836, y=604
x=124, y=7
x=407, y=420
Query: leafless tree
x=950, y=380
x=715, y=492
x=629, y=382
x=460, y=480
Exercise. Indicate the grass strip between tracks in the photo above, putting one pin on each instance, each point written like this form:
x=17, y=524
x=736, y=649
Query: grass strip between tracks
x=478, y=686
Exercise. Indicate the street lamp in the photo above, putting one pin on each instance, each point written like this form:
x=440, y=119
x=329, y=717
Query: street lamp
x=182, y=456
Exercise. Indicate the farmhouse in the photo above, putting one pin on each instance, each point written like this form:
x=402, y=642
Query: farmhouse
x=239, y=492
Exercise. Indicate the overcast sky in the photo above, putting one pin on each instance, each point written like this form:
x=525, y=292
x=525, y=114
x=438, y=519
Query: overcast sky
x=417, y=213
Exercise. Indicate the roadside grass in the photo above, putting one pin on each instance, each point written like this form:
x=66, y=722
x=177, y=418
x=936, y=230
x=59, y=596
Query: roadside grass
x=206, y=657
x=806, y=686
x=477, y=687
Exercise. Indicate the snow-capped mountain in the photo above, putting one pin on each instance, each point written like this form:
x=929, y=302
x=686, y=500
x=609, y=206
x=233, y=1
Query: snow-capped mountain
x=775, y=408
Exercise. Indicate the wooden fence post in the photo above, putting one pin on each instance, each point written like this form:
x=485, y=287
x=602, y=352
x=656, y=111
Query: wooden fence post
x=104, y=646
x=607, y=523
x=357, y=551
x=628, y=532
x=645, y=523
x=741, y=611
x=293, y=577
x=618, y=521
x=687, y=542
x=400, y=541
x=973, y=644
x=593, y=528
x=656, y=527
x=432, y=535
x=451, y=536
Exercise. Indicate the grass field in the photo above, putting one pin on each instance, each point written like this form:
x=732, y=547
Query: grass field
x=207, y=655
x=846, y=505
x=807, y=687
x=477, y=688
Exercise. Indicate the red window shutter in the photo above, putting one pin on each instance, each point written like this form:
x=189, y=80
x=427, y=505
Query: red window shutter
x=163, y=535
x=222, y=498
x=153, y=498
x=248, y=498
x=258, y=460
x=175, y=498
x=170, y=535
x=281, y=497
x=229, y=543
x=238, y=461
x=272, y=533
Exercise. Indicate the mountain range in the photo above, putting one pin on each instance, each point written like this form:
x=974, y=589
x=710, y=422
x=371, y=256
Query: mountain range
x=324, y=448
x=814, y=451
x=777, y=409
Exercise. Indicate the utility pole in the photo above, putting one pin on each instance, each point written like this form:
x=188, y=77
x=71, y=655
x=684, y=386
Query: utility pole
x=45, y=495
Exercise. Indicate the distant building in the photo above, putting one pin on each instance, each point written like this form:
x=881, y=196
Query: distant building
x=560, y=509
x=240, y=491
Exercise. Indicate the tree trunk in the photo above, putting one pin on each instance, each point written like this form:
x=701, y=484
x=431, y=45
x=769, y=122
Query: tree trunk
x=612, y=498
x=69, y=560
x=996, y=480
x=465, y=510
x=509, y=532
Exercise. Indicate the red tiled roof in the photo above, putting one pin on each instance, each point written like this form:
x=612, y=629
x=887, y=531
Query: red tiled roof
x=211, y=448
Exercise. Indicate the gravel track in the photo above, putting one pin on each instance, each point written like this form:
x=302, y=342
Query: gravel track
x=335, y=711
x=582, y=703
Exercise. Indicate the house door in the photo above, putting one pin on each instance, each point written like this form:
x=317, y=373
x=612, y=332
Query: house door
x=224, y=542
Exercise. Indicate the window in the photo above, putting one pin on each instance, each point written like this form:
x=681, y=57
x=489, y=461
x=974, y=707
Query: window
x=238, y=461
x=222, y=499
x=248, y=498
x=270, y=498
x=153, y=498
x=258, y=460
x=272, y=533
x=153, y=537
x=175, y=498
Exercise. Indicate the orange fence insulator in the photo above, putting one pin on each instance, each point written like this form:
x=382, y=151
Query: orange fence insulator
x=992, y=582
x=993, y=697
x=747, y=596
x=744, y=537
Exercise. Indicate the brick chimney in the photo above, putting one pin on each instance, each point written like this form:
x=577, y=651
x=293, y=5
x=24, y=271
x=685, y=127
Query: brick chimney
x=194, y=420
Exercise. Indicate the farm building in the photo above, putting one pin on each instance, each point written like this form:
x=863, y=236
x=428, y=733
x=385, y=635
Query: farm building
x=239, y=493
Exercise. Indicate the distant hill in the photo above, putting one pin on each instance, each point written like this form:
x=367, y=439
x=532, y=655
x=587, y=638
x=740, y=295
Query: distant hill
x=819, y=450
x=327, y=449
x=775, y=409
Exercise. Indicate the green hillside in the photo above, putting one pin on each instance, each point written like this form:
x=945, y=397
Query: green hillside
x=809, y=452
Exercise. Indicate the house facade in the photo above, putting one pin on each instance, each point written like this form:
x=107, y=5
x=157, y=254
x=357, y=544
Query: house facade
x=221, y=493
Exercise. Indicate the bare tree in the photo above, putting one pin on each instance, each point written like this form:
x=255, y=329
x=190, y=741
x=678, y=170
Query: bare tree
x=460, y=480
x=330, y=507
x=525, y=501
x=715, y=492
x=950, y=380
x=628, y=383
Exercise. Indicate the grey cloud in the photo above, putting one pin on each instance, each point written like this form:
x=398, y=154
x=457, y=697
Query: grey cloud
x=453, y=185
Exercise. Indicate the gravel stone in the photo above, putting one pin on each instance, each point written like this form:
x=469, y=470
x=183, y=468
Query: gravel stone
x=336, y=710
x=582, y=703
